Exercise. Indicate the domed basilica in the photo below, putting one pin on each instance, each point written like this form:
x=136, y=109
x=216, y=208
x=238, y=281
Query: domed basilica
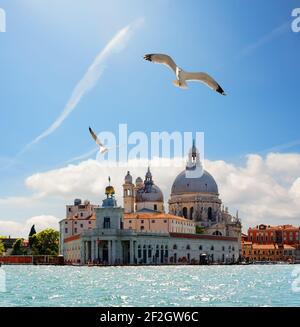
x=194, y=196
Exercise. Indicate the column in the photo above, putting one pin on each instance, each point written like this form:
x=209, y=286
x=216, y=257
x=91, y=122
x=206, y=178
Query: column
x=109, y=252
x=82, y=254
x=131, y=252
x=86, y=252
x=113, y=251
x=93, y=250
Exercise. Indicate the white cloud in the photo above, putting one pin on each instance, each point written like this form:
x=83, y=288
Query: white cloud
x=17, y=229
x=90, y=79
x=264, y=189
x=89, y=178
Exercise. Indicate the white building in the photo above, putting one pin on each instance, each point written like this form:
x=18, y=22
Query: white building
x=196, y=229
x=110, y=243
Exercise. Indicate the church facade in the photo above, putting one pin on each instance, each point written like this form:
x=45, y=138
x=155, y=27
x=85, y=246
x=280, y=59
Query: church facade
x=195, y=230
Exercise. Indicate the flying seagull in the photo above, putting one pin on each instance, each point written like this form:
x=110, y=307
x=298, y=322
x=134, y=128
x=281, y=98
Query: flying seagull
x=103, y=148
x=181, y=76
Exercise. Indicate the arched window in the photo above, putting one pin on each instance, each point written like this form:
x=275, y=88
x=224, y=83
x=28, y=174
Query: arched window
x=174, y=247
x=184, y=212
x=217, y=233
x=191, y=213
x=188, y=247
x=209, y=213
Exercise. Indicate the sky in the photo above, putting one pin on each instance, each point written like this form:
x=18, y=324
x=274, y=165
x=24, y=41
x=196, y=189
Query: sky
x=65, y=66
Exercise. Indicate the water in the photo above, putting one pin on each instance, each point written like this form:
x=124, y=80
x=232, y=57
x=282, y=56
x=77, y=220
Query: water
x=254, y=285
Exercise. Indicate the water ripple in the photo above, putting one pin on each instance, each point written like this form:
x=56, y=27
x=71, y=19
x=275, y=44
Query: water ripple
x=150, y=286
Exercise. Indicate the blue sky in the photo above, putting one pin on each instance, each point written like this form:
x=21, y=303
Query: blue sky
x=248, y=46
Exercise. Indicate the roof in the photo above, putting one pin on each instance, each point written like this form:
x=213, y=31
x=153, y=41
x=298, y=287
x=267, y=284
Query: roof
x=72, y=238
x=274, y=227
x=256, y=246
x=204, y=237
x=154, y=215
x=90, y=217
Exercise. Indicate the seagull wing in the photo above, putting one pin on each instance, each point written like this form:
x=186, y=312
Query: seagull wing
x=96, y=139
x=204, y=78
x=159, y=58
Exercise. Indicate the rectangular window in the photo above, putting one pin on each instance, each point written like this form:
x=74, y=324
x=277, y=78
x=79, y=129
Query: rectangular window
x=106, y=223
x=75, y=230
x=66, y=230
x=81, y=225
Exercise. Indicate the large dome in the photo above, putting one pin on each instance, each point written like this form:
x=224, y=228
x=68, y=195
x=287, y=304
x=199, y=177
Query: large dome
x=155, y=195
x=205, y=184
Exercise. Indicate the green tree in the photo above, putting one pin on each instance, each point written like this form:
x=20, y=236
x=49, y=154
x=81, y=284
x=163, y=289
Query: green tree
x=17, y=248
x=199, y=230
x=30, y=236
x=45, y=242
x=2, y=248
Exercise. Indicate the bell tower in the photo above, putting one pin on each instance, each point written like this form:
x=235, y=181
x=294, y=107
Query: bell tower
x=128, y=194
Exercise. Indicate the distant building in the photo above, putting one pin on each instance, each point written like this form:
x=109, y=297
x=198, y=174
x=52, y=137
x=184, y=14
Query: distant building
x=268, y=252
x=281, y=234
x=271, y=243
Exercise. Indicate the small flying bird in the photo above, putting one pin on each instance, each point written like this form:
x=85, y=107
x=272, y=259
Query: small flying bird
x=181, y=76
x=103, y=148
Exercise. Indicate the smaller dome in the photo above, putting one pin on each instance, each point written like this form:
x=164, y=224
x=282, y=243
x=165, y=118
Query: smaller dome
x=139, y=181
x=155, y=195
x=149, y=192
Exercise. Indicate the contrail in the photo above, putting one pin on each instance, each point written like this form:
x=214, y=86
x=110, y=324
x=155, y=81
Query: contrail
x=83, y=156
x=90, y=79
x=266, y=38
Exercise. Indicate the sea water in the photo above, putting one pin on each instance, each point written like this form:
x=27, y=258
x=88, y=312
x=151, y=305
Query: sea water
x=251, y=285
